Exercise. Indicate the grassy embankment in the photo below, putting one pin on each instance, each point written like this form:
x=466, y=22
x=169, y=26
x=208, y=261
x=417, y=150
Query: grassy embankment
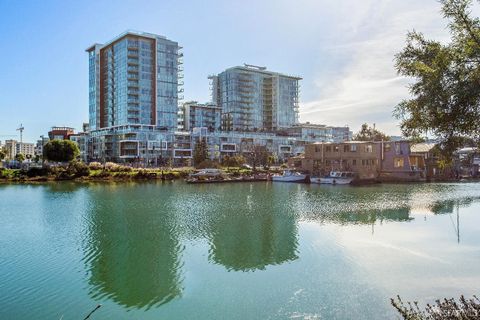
x=78, y=171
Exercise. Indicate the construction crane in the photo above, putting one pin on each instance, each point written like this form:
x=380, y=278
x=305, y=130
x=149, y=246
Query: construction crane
x=21, y=128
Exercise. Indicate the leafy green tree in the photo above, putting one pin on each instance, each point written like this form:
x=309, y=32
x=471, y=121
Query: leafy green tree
x=61, y=150
x=367, y=133
x=20, y=157
x=270, y=160
x=234, y=161
x=2, y=155
x=445, y=89
x=200, y=152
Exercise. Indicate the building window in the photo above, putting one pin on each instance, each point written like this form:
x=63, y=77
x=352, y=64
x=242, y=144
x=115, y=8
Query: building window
x=335, y=148
x=398, y=162
x=387, y=147
x=328, y=149
x=398, y=150
x=354, y=162
x=353, y=148
x=369, y=148
x=345, y=148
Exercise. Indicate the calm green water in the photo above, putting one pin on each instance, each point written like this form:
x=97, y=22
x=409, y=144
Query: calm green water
x=233, y=251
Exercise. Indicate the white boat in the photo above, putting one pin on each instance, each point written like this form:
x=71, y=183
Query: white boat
x=290, y=176
x=335, y=177
x=207, y=173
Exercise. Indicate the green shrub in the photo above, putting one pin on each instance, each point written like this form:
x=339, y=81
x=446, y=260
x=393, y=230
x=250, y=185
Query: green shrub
x=145, y=174
x=442, y=309
x=95, y=165
x=77, y=169
x=208, y=164
x=123, y=175
x=100, y=174
x=114, y=167
x=37, y=172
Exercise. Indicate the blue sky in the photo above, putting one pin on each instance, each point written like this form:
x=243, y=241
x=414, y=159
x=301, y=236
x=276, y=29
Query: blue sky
x=343, y=50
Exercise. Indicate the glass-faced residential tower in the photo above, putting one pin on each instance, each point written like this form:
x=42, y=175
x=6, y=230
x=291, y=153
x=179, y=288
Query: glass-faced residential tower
x=134, y=79
x=255, y=99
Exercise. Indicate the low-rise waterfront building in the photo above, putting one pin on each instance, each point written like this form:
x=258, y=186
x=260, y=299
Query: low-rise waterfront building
x=318, y=132
x=14, y=147
x=382, y=160
x=81, y=139
x=60, y=133
x=398, y=163
x=357, y=156
x=40, y=144
x=201, y=115
x=146, y=145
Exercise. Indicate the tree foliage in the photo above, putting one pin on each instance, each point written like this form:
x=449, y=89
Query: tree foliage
x=234, y=161
x=368, y=133
x=61, y=150
x=445, y=89
x=2, y=154
x=20, y=157
x=200, y=152
x=258, y=156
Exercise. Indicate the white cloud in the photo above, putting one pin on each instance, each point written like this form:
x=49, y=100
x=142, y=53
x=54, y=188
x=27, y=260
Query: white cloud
x=366, y=87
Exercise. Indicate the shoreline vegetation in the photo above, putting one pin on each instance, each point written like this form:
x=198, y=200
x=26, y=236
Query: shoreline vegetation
x=461, y=309
x=79, y=171
x=112, y=172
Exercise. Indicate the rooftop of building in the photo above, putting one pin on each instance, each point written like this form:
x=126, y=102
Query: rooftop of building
x=422, y=147
x=260, y=69
x=125, y=34
x=62, y=128
x=201, y=105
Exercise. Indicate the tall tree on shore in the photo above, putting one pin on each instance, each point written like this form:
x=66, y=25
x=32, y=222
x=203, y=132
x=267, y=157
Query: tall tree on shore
x=200, y=152
x=445, y=91
x=61, y=150
x=258, y=156
x=367, y=133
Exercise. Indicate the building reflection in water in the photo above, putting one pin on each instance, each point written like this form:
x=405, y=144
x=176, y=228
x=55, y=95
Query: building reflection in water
x=366, y=216
x=246, y=243
x=133, y=252
x=253, y=236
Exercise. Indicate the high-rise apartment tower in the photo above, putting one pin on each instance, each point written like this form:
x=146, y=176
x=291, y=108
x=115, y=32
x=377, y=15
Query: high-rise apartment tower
x=255, y=99
x=134, y=79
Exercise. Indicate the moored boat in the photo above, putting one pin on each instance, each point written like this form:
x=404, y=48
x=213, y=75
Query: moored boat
x=335, y=177
x=290, y=176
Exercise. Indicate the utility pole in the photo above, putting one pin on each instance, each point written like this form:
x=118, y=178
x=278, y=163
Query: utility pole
x=21, y=128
